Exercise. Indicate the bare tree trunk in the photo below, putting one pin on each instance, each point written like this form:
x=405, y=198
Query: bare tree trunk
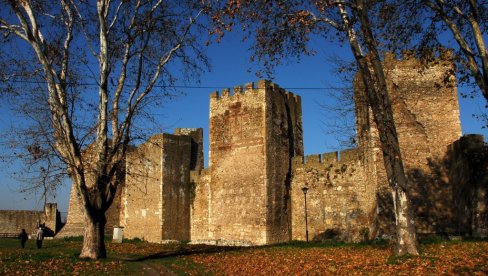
x=93, y=239
x=383, y=114
x=376, y=96
x=406, y=235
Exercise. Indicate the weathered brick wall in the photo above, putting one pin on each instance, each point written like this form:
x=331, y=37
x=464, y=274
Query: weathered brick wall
x=156, y=197
x=176, y=187
x=340, y=197
x=200, y=198
x=426, y=113
x=467, y=165
x=13, y=221
x=196, y=134
x=142, y=195
x=283, y=142
x=237, y=166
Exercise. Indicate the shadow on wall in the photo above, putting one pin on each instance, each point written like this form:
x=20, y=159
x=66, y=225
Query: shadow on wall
x=357, y=226
x=48, y=232
x=337, y=234
x=385, y=219
x=450, y=196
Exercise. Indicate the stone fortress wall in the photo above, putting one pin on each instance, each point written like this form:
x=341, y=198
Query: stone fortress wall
x=340, y=197
x=13, y=221
x=251, y=193
x=243, y=198
x=156, y=198
x=349, y=197
x=423, y=94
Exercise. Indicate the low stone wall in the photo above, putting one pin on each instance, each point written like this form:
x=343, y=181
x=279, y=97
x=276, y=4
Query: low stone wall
x=340, y=198
x=13, y=221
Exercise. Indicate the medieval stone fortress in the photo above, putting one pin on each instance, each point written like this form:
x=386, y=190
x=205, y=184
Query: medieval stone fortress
x=252, y=192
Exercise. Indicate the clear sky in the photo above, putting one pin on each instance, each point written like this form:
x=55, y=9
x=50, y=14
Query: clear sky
x=230, y=67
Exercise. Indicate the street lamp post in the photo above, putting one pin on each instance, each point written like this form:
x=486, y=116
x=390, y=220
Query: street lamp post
x=305, y=190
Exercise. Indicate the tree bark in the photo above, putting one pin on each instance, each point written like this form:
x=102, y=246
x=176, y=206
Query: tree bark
x=376, y=96
x=93, y=239
x=406, y=235
x=383, y=115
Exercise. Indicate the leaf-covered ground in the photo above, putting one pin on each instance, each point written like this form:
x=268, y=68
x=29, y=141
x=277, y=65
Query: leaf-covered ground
x=60, y=257
x=450, y=258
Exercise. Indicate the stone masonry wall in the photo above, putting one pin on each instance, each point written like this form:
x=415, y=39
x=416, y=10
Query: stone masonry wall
x=254, y=133
x=237, y=165
x=426, y=113
x=52, y=219
x=283, y=142
x=142, y=196
x=13, y=221
x=467, y=165
x=196, y=134
x=340, y=197
x=156, y=198
x=177, y=156
x=200, y=202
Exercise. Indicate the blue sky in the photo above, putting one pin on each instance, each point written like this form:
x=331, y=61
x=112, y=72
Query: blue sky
x=230, y=67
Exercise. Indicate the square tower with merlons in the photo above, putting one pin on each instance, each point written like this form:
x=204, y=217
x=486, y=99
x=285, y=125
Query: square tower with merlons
x=254, y=133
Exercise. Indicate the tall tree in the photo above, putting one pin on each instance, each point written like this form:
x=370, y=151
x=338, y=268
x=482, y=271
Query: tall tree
x=107, y=56
x=282, y=29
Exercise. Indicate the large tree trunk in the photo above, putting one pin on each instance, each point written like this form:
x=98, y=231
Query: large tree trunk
x=376, y=96
x=405, y=225
x=406, y=235
x=390, y=146
x=93, y=239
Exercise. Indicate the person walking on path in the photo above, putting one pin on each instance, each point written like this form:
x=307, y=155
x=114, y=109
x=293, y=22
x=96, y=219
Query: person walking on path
x=39, y=237
x=23, y=237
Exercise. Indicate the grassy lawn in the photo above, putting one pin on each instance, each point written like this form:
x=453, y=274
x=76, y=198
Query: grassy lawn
x=60, y=257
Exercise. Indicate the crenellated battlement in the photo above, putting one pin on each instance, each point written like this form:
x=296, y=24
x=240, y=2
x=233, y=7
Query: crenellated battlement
x=254, y=130
x=329, y=158
x=430, y=57
x=263, y=86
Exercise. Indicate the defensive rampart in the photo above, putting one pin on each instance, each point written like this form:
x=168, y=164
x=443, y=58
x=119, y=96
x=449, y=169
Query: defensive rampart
x=12, y=221
x=340, y=197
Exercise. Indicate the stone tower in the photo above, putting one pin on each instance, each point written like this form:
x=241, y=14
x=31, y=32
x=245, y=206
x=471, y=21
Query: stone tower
x=156, y=197
x=423, y=94
x=254, y=133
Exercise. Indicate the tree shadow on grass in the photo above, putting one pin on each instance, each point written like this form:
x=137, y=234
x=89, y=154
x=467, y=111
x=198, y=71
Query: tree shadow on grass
x=185, y=251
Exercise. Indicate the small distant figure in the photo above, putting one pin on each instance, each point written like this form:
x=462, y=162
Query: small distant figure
x=39, y=237
x=23, y=237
